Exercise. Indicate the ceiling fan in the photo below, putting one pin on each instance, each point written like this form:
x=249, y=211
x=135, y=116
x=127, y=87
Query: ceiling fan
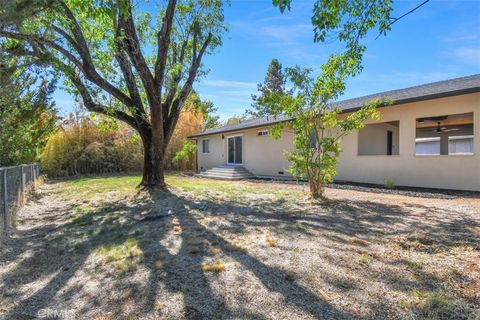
x=432, y=119
x=440, y=129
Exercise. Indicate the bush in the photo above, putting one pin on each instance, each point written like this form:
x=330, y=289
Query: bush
x=389, y=183
x=83, y=145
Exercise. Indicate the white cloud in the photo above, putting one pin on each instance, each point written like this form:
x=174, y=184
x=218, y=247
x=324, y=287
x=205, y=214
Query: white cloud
x=468, y=55
x=291, y=40
x=229, y=84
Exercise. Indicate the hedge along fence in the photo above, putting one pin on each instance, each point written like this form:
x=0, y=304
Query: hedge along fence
x=15, y=183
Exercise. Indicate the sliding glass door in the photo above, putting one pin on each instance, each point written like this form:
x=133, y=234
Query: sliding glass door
x=235, y=150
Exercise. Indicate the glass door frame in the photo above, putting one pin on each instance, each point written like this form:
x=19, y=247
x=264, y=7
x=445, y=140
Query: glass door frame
x=234, y=151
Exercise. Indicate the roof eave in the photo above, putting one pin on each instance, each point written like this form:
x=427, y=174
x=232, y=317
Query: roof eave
x=397, y=102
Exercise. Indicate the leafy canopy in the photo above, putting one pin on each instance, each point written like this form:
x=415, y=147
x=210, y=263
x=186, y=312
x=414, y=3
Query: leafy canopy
x=274, y=83
x=318, y=125
x=27, y=113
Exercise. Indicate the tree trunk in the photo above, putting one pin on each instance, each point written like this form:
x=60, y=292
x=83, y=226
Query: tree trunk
x=316, y=188
x=153, y=171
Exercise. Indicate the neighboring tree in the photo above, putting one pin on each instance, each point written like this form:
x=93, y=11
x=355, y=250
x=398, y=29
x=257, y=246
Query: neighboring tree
x=122, y=62
x=235, y=119
x=274, y=83
x=27, y=114
x=207, y=109
x=319, y=126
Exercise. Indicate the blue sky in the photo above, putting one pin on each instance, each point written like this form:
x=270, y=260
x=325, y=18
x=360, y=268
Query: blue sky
x=439, y=41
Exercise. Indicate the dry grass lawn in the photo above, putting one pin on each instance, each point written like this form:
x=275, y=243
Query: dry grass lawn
x=97, y=248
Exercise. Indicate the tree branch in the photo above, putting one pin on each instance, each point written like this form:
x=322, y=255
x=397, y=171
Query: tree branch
x=131, y=44
x=163, y=43
x=95, y=107
x=177, y=104
x=42, y=41
x=128, y=74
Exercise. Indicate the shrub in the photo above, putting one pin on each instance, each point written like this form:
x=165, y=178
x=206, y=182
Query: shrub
x=85, y=145
x=389, y=183
x=97, y=144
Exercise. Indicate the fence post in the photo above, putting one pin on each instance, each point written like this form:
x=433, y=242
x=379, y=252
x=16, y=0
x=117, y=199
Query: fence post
x=22, y=182
x=33, y=176
x=5, y=203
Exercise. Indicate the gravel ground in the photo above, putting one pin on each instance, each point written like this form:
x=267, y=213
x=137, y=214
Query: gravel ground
x=241, y=250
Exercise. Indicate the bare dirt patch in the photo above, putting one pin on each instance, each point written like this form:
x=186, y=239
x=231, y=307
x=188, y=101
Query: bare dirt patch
x=99, y=249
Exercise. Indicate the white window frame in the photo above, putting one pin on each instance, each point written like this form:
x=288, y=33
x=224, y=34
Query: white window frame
x=207, y=151
x=461, y=138
x=420, y=140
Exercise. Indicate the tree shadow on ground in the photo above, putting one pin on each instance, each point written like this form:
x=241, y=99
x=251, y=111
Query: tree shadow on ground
x=63, y=250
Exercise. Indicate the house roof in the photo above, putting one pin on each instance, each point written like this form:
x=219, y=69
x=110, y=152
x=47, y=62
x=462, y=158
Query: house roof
x=434, y=90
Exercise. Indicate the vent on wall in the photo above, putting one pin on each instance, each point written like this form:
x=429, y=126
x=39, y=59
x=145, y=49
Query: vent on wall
x=280, y=172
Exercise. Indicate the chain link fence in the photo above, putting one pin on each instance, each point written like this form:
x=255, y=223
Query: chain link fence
x=15, y=183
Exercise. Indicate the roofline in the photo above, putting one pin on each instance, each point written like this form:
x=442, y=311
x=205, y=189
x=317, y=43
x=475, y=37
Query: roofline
x=201, y=134
x=423, y=98
x=395, y=103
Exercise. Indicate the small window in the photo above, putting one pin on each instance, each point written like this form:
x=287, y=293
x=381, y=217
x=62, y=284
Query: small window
x=206, y=146
x=262, y=133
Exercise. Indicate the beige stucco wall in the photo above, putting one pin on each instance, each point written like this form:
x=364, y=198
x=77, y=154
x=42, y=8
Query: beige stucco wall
x=264, y=156
x=372, y=139
x=448, y=172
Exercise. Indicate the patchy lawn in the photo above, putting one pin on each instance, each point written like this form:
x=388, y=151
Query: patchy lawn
x=97, y=248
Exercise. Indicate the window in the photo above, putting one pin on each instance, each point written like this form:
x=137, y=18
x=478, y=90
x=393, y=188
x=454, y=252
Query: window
x=427, y=146
x=206, y=146
x=445, y=135
x=262, y=133
x=379, y=139
x=460, y=145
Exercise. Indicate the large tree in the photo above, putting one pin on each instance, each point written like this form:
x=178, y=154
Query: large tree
x=131, y=60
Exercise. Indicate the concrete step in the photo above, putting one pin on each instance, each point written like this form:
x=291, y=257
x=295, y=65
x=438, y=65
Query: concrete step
x=219, y=170
x=227, y=173
x=234, y=175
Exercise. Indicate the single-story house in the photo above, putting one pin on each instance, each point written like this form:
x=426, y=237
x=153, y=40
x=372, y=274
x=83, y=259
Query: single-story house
x=429, y=137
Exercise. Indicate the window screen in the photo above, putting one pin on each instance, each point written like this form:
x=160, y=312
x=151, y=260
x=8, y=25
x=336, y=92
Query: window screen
x=427, y=146
x=460, y=145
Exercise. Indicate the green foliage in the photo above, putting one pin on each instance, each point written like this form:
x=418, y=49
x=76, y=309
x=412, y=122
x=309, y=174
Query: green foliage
x=347, y=21
x=236, y=119
x=274, y=83
x=206, y=108
x=319, y=126
x=389, y=183
x=119, y=59
x=27, y=114
x=184, y=155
